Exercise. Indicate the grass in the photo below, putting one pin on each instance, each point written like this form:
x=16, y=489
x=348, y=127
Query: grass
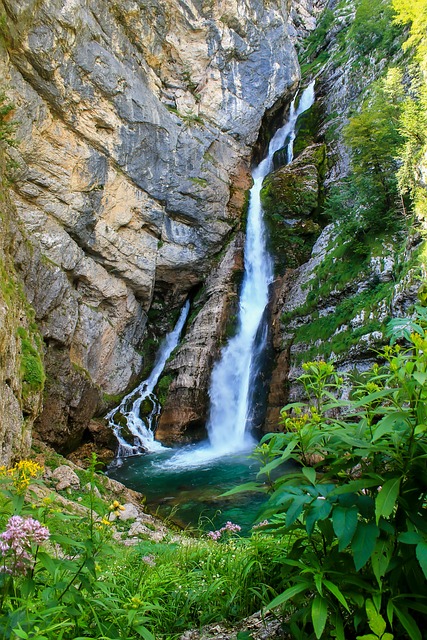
x=151, y=590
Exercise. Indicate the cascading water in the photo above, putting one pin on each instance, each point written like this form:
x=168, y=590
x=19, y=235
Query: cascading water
x=189, y=481
x=232, y=375
x=129, y=410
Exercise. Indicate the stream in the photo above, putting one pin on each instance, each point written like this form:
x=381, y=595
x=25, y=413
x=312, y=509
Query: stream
x=185, y=484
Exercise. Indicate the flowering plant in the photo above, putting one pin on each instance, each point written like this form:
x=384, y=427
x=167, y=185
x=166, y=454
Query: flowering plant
x=17, y=544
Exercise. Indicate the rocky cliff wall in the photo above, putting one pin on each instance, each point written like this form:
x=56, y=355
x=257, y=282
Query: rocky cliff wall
x=336, y=305
x=136, y=122
x=21, y=356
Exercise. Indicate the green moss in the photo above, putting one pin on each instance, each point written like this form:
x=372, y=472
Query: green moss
x=162, y=388
x=200, y=181
x=322, y=328
x=308, y=126
x=32, y=370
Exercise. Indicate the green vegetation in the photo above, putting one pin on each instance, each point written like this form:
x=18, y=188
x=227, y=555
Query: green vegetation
x=162, y=388
x=351, y=516
x=413, y=121
x=76, y=581
x=7, y=126
x=340, y=551
x=32, y=371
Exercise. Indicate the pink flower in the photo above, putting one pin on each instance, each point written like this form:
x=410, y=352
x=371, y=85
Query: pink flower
x=229, y=527
x=16, y=543
x=264, y=523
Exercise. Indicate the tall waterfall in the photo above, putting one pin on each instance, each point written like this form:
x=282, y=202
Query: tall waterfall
x=129, y=410
x=233, y=374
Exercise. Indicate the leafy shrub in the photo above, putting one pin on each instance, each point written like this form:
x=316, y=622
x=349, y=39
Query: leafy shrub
x=351, y=514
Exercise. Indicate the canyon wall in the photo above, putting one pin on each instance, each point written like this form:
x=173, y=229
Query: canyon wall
x=135, y=124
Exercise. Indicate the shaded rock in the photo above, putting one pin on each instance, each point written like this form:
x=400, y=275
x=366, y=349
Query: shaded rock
x=184, y=414
x=289, y=196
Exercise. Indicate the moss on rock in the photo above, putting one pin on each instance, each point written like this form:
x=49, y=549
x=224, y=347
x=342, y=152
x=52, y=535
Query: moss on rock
x=290, y=196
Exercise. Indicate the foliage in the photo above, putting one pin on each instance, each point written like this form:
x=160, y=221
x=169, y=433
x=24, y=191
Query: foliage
x=413, y=122
x=350, y=515
x=373, y=31
x=373, y=137
x=81, y=583
x=32, y=370
x=7, y=126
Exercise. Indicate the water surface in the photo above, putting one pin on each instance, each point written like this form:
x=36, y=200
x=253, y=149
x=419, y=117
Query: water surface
x=190, y=495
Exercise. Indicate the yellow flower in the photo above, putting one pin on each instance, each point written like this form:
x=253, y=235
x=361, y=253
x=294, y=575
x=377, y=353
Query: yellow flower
x=106, y=522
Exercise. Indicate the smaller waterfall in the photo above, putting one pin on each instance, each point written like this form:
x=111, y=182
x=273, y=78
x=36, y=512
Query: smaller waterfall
x=129, y=409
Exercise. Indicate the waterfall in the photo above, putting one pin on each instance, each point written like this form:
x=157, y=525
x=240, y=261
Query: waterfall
x=233, y=375
x=129, y=409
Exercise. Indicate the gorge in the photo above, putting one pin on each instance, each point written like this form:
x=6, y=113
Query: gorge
x=127, y=195
x=213, y=273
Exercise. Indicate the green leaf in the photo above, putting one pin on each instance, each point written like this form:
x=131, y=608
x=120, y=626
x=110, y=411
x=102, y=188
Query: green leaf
x=319, y=615
x=410, y=537
x=288, y=594
x=336, y=592
x=368, y=636
x=50, y=564
x=319, y=510
x=354, y=486
x=248, y=486
x=408, y=623
x=421, y=553
x=363, y=543
x=376, y=621
x=386, y=425
x=144, y=633
x=344, y=522
x=371, y=397
x=310, y=474
x=295, y=508
x=338, y=626
x=420, y=377
x=386, y=498
x=21, y=633
x=381, y=558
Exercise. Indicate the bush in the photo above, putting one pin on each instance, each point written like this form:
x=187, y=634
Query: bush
x=351, y=514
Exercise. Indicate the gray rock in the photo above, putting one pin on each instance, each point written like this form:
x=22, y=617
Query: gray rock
x=65, y=478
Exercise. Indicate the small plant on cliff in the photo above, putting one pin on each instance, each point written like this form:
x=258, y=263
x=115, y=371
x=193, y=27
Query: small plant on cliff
x=350, y=516
x=7, y=126
x=32, y=371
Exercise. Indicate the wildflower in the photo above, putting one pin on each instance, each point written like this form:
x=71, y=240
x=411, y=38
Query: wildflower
x=149, y=560
x=264, y=523
x=16, y=543
x=229, y=527
x=106, y=522
x=21, y=474
x=115, y=507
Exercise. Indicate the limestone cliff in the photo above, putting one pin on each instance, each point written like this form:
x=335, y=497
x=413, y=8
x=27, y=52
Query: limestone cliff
x=362, y=271
x=21, y=358
x=136, y=123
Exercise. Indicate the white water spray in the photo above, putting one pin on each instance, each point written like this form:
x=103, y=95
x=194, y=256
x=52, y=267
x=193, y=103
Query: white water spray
x=232, y=375
x=130, y=407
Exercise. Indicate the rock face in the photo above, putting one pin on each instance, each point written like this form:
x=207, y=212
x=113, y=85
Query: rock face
x=136, y=123
x=21, y=366
x=335, y=303
x=184, y=415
